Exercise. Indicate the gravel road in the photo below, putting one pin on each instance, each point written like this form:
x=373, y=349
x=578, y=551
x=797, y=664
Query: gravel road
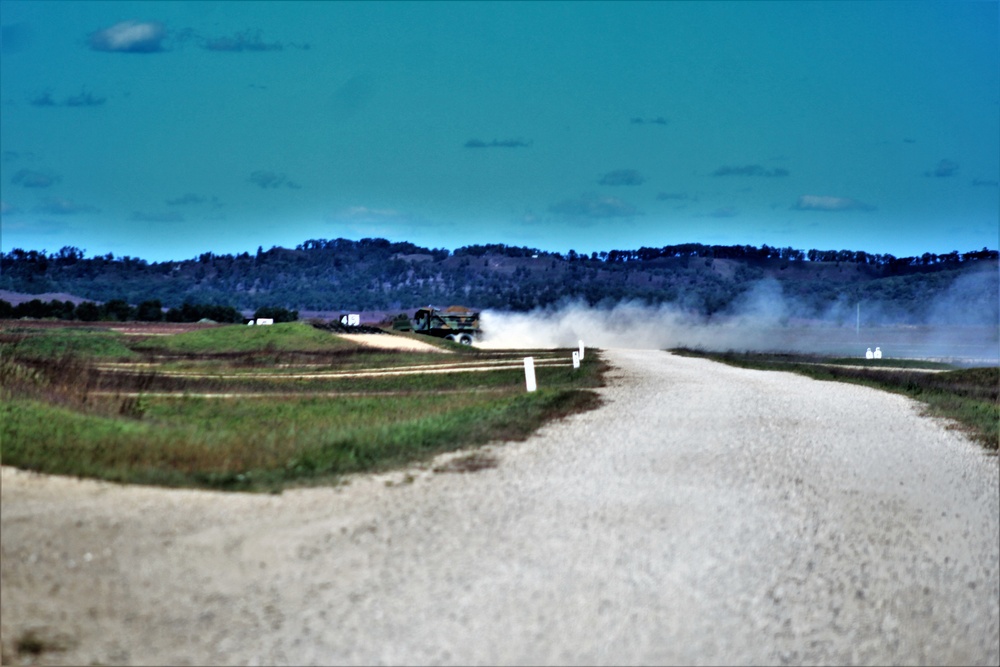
x=704, y=515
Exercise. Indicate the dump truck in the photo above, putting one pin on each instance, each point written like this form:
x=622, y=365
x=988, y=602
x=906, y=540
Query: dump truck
x=456, y=323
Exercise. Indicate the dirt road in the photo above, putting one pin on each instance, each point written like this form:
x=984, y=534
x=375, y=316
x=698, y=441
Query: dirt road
x=705, y=514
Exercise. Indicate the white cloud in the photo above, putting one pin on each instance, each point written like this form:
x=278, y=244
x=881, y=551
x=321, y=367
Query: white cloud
x=826, y=203
x=129, y=37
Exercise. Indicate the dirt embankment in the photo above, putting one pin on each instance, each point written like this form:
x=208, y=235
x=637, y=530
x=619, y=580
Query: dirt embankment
x=391, y=342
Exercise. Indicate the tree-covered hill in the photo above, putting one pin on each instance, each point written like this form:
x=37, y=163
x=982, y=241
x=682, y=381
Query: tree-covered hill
x=376, y=274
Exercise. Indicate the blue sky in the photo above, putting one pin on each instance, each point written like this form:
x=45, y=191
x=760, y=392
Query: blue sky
x=224, y=126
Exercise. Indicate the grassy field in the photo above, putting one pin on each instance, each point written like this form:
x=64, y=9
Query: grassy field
x=260, y=408
x=293, y=337
x=968, y=396
x=69, y=340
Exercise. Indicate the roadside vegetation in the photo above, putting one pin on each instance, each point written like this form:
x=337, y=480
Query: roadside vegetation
x=968, y=396
x=260, y=408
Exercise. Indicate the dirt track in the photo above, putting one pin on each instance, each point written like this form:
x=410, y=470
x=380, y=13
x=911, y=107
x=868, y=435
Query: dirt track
x=391, y=342
x=705, y=515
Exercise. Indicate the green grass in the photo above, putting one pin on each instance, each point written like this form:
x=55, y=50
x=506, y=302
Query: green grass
x=969, y=396
x=864, y=363
x=219, y=379
x=64, y=414
x=256, y=444
x=55, y=342
x=290, y=336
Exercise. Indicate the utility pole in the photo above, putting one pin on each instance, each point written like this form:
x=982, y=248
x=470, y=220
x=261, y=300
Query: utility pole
x=857, y=326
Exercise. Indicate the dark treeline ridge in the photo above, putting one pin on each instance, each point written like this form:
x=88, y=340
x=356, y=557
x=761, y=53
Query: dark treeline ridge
x=376, y=274
x=118, y=310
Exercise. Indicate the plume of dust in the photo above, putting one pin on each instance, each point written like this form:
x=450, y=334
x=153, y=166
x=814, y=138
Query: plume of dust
x=960, y=325
x=628, y=324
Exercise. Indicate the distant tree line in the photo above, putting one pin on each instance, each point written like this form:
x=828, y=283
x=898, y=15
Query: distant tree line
x=38, y=262
x=499, y=249
x=118, y=310
x=376, y=274
x=766, y=252
x=277, y=314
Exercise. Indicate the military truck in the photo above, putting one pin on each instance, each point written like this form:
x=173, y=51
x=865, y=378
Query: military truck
x=455, y=323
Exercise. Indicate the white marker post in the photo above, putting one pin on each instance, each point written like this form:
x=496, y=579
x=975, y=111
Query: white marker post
x=576, y=359
x=529, y=373
x=581, y=350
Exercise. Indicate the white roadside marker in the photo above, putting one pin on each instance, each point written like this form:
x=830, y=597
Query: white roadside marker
x=576, y=359
x=529, y=373
x=581, y=350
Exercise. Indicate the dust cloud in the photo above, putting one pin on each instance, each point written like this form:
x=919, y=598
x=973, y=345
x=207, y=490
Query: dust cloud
x=960, y=325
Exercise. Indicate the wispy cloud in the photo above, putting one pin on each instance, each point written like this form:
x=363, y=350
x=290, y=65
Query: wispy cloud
x=11, y=156
x=622, y=177
x=724, y=212
x=675, y=196
x=189, y=198
x=826, y=203
x=241, y=41
x=637, y=120
x=591, y=206
x=130, y=37
x=944, y=169
x=749, y=170
x=34, y=179
x=62, y=206
x=272, y=179
x=34, y=225
x=82, y=99
x=497, y=143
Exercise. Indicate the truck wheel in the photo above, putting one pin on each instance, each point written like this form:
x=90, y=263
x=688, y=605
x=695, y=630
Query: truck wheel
x=450, y=337
x=465, y=339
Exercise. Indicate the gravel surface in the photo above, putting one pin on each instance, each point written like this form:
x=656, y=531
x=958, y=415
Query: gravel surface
x=704, y=515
